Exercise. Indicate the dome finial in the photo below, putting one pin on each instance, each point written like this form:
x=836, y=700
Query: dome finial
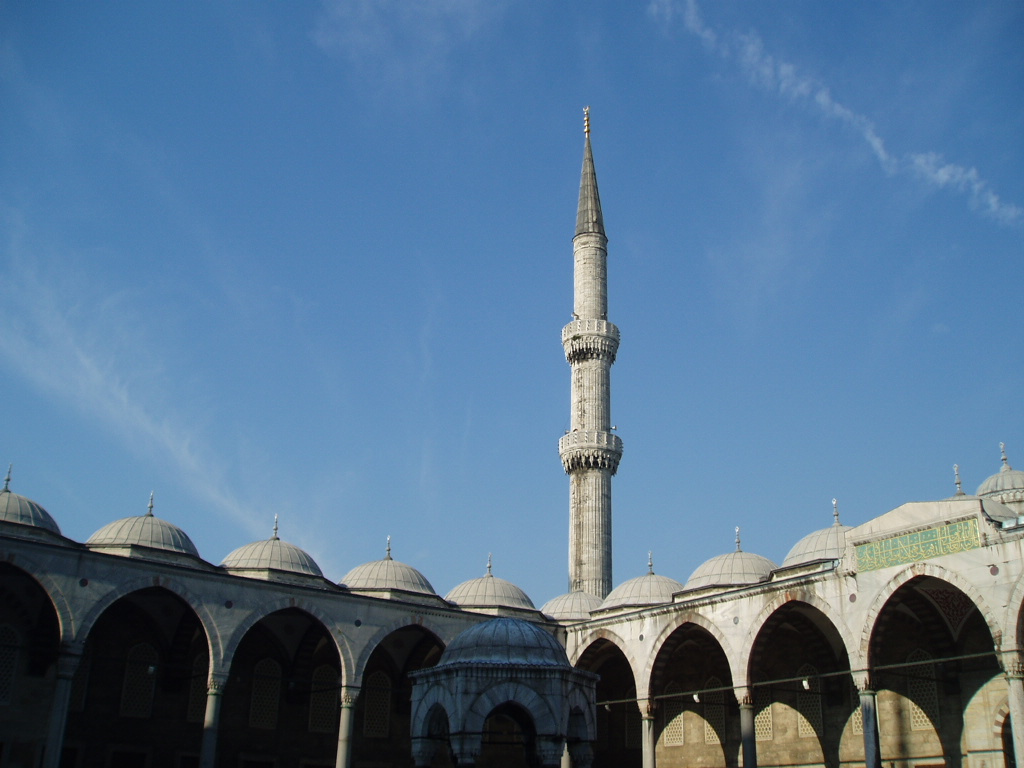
x=956, y=480
x=586, y=121
x=835, y=511
x=274, y=537
x=650, y=562
x=149, y=509
x=738, y=539
x=7, y=480
x=489, y=564
x=388, y=552
x=1006, y=462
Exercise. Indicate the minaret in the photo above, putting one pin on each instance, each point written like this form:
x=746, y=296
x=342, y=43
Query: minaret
x=590, y=451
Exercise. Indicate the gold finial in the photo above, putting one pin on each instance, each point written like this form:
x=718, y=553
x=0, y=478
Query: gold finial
x=835, y=511
x=956, y=480
x=586, y=120
x=738, y=539
x=489, y=564
x=274, y=537
x=388, y=557
x=650, y=561
x=149, y=512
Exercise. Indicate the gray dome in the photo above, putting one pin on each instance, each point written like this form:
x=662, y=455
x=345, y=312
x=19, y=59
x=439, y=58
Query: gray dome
x=1006, y=485
x=143, y=531
x=572, y=606
x=731, y=570
x=18, y=509
x=826, y=544
x=272, y=555
x=649, y=589
x=386, y=575
x=489, y=592
x=505, y=641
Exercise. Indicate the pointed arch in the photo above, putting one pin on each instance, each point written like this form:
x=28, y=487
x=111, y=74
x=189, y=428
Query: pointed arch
x=66, y=619
x=545, y=720
x=425, y=622
x=678, y=621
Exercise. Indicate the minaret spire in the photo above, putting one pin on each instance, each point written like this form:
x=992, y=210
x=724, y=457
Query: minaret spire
x=590, y=450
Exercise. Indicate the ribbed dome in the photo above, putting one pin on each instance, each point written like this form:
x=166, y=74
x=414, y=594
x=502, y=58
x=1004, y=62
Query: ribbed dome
x=386, y=575
x=272, y=555
x=1006, y=485
x=572, y=606
x=143, y=531
x=731, y=570
x=826, y=544
x=18, y=509
x=505, y=641
x=649, y=589
x=489, y=592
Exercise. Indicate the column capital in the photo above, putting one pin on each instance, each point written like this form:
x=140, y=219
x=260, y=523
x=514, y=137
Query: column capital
x=348, y=695
x=216, y=682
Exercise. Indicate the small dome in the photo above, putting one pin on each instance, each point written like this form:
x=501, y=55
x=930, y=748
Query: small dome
x=1006, y=485
x=489, y=592
x=143, y=531
x=649, y=589
x=18, y=509
x=272, y=555
x=826, y=544
x=572, y=606
x=505, y=641
x=731, y=570
x=386, y=575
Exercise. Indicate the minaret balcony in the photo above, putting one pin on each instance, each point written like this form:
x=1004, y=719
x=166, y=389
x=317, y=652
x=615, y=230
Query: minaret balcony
x=590, y=449
x=590, y=339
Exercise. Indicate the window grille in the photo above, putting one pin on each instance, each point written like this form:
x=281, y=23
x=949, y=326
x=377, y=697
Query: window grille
x=857, y=717
x=266, y=694
x=672, y=711
x=377, y=712
x=923, y=693
x=10, y=641
x=714, y=711
x=139, y=687
x=197, y=690
x=763, y=725
x=323, y=700
x=808, y=702
x=633, y=738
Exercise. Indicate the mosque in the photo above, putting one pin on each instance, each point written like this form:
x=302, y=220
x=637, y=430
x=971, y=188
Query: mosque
x=897, y=641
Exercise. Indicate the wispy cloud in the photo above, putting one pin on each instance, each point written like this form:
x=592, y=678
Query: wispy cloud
x=402, y=44
x=774, y=75
x=80, y=346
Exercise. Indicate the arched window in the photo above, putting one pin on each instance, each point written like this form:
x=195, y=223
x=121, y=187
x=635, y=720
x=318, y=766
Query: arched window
x=197, y=689
x=10, y=642
x=714, y=711
x=323, y=700
x=922, y=691
x=266, y=694
x=377, y=712
x=139, y=686
x=672, y=711
x=808, y=702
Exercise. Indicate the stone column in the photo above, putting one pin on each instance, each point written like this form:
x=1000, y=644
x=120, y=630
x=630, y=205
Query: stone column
x=211, y=722
x=581, y=755
x=67, y=665
x=748, y=738
x=1015, y=684
x=869, y=715
x=346, y=720
x=647, y=731
x=466, y=747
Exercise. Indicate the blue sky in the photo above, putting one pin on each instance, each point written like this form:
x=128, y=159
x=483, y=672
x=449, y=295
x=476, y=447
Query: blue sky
x=313, y=259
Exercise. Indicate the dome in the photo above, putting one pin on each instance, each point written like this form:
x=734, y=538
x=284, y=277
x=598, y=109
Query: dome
x=1006, y=485
x=385, y=575
x=489, y=592
x=572, y=606
x=143, y=531
x=505, y=641
x=272, y=555
x=826, y=544
x=732, y=569
x=18, y=509
x=649, y=589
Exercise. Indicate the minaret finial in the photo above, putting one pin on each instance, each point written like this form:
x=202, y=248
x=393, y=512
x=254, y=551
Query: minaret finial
x=586, y=121
x=1006, y=461
x=149, y=511
x=7, y=480
x=274, y=537
x=738, y=539
x=489, y=564
x=835, y=511
x=650, y=562
x=388, y=548
x=956, y=480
